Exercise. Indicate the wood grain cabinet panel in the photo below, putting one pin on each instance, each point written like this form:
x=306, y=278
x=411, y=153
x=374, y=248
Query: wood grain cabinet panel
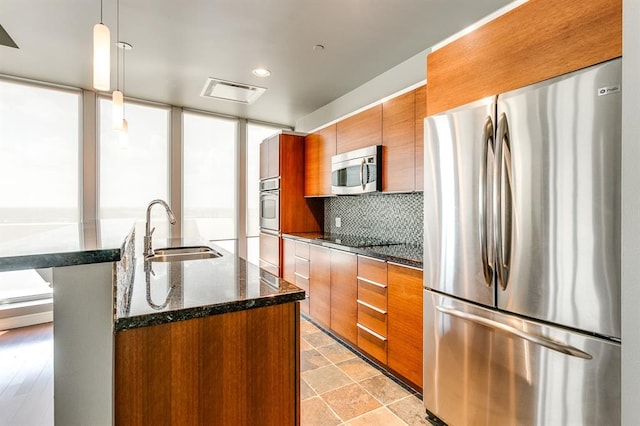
x=320, y=146
x=320, y=285
x=398, y=140
x=372, y=343
x=420, y=114
x=240, y=368
x=289, y=260
x=372, y=269
x=360, y=130
x=538, y=40
x=344, y=295
x=404, y=325
x=270, y=253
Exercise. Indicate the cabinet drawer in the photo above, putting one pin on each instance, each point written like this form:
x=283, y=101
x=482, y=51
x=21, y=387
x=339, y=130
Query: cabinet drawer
x=373, y=344
x=302, y=282
x=372, y=269
x=372, y=293
x=302, y=267
x=302, y=250
x=373, y=318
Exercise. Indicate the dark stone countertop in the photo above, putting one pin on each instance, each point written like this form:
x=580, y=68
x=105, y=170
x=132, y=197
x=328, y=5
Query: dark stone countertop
x=407, y=254
x=31, y=246
x=178, y=291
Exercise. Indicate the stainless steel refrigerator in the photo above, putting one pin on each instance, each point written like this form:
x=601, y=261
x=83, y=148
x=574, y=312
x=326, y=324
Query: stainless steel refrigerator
x=522, y=255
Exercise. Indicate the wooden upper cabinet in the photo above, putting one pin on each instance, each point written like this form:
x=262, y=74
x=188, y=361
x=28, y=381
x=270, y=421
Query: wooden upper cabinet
x=270, y=157
x=398, y=140
x=536, y=41
x=360, y=130
x=420, y=114
x=404, y=326
x=297, y=214
x=319, y=148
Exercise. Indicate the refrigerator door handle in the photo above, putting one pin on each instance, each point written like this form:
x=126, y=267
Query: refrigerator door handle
x=538, y=340
x=485, y=203
x=504, y=199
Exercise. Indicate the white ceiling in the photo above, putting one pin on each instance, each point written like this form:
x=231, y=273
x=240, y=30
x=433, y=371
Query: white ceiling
x=177, y=45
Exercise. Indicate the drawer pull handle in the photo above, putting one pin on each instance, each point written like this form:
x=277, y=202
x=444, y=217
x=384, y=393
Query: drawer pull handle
x=301, y=258
x=300, y=275
x=373, y=333
x=374, y=308
x=372, y=282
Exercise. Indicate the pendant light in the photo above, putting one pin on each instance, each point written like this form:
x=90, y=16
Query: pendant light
x=117, y=100
x=124, y=125
x=101, y=55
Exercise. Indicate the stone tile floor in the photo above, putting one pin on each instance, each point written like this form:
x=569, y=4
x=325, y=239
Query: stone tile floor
x=340, y=388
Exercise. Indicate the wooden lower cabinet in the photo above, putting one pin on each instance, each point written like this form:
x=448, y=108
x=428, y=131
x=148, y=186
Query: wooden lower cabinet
x=296, y=268
x=320, y=285
x=240, y=368
x=289, y=260
x=270, y=253
x=404, y=325
x=344, y=295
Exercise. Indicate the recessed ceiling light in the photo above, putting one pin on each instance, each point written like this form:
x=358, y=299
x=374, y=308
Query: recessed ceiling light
x=261, y=72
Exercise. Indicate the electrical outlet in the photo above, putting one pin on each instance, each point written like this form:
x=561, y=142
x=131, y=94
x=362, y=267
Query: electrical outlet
x=338, y=222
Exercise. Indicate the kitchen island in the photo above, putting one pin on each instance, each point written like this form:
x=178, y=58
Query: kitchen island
x=204, y=341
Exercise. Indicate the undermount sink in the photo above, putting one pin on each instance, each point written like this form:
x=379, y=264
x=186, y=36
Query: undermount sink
x=179, y=254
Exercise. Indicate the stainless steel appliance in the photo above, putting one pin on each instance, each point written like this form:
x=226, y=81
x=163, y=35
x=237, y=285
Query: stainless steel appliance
x=522, y=259
x=357, y=172
x=270, y=205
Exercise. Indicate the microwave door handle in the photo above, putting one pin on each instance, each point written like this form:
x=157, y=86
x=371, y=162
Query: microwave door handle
x=486, y=201
x=362, y=167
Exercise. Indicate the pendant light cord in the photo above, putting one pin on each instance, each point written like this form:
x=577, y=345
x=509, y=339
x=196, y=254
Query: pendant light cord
x=117, y=45
x=123, y=76
x=101, y=11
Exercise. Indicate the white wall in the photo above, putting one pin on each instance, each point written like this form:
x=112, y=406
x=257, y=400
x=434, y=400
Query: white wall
x=407, y=74
x=630, y=212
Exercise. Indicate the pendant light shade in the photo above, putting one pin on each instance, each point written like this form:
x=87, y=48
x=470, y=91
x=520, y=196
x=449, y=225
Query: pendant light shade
x=101, y=57
x=118, y=109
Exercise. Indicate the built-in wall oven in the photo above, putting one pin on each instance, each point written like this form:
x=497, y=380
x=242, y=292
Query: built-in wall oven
x=270, y=205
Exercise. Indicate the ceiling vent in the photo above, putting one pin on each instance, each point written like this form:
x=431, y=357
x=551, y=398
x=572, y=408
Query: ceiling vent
x=5, y=39
x=230, y=91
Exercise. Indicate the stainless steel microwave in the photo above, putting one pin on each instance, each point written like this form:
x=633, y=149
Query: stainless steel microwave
x=357, y=172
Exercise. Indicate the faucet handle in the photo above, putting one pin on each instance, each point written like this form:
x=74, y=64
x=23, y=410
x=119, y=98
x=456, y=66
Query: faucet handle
x=152, y=229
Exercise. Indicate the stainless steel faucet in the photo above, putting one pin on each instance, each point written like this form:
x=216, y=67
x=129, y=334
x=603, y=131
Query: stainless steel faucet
x=148, y=249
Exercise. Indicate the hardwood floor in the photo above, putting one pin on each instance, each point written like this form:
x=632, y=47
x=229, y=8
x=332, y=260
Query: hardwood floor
x=26, y=376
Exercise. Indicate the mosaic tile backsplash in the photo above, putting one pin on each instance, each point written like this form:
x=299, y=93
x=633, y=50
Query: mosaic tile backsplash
x=392, y=217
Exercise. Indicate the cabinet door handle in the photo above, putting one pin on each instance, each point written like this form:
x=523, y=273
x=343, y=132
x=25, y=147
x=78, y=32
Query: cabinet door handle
x=373, y=333
x=374, y=308
x=372, y=282
x=300, y=275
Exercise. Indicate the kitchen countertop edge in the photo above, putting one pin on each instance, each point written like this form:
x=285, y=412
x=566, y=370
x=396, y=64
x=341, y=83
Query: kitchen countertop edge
x=51, y=260
x=290, y=294
x=316, y=239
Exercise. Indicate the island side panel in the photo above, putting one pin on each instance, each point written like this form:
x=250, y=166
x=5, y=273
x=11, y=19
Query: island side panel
x=235, y=368
x=83, y=344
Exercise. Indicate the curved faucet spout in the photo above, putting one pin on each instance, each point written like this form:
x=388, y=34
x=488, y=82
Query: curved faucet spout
x=148, y=249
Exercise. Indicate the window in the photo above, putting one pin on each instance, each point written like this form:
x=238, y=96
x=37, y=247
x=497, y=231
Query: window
x=39, y=166
x=131, y=176
x=210, y=176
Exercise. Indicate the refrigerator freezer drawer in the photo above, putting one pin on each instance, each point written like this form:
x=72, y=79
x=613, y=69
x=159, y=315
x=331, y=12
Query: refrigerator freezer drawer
x=482, y=367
